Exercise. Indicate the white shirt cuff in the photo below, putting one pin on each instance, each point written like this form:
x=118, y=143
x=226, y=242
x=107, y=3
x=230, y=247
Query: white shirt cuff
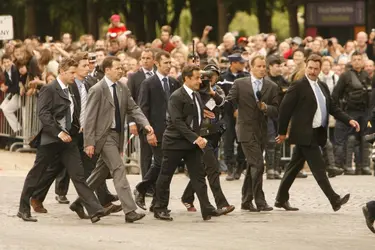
x=131, y=123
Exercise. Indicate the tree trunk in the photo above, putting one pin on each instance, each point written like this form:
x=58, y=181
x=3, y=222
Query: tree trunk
x=135, y=23
x=204, y=13
x=92, y=19
x=264, y=14
x=178, y=5
x=370, y=14
x=30, y=22
x=152, y=18
x=293, y=19
x=222, y=20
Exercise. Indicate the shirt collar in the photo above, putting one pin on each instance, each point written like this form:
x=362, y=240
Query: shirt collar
x=253, y=78
x=160, y=76
x=79, y=82
x=145, y=70
x=311, y=81
x=188, y=90
x=109, y=82
x=62, y=85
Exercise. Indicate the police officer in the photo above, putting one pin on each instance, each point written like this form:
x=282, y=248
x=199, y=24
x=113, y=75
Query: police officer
x=351, y=92
x=235, y=71
x=212, y=129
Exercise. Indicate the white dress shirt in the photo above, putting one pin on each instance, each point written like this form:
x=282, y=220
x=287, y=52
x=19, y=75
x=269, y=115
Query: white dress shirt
x=190, y=93
x=145, y=71
x=63, y=87
x=317, y=121
x=110, y=83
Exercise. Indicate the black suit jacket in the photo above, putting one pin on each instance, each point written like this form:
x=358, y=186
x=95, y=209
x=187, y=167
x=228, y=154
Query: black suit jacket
x=179, y=135
x=154, y=104
x=134, y=84
x=13, y=81
x=299, y=105
x=53, y=105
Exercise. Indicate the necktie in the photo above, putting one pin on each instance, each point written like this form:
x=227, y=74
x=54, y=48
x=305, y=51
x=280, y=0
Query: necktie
x=322, y=104
x=196, y=126
x=83, y=94
x=257, y=88
x=68, y=116
x=117, y=110
x=166, y=88
x=149, y=74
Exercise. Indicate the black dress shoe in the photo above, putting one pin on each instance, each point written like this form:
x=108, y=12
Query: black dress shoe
x=249, y=206
x=78, y=209
x=96, y=216
x=334, y=171
x=286, y=206
x=26, y=217
x=341, y=201
x=111, y=208
x=228, y=209
x=216, y=212
x=366, y=171
x=133, y=216
x=369, y=220
x=140, y=200
x=163, y=216
x=264, y=208
x=62, y=199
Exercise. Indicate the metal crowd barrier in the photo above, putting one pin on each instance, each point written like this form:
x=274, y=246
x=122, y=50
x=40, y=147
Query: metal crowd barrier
x=132, y=156
x=28, y=123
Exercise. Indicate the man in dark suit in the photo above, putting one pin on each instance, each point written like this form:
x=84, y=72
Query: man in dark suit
x=181, y=140
x=153, y=100
x=11, y=88
x=256, y=99
x=307, y=104
x=134, y=85
x=58, y=125
x=79, y=89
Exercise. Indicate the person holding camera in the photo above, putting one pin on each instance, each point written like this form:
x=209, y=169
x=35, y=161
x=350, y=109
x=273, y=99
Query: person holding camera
x=212, y=129
x=256, y=99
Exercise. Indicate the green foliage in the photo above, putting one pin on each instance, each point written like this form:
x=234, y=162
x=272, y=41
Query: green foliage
x=183, y=29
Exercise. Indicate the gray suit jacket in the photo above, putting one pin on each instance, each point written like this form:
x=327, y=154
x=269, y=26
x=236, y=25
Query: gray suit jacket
x=100, y=112
x=252, y=122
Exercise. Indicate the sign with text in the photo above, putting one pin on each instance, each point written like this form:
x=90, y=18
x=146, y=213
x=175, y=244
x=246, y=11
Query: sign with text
x=6, y=27
x=335, y=14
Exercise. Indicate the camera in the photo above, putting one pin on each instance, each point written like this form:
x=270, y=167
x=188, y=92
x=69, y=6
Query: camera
x=206, y=81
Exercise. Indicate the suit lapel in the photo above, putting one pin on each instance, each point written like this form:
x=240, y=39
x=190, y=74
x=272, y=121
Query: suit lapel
x=265, y=87
x=60, y=91
x=107, y=93
x=119, y=93
x=250, y=86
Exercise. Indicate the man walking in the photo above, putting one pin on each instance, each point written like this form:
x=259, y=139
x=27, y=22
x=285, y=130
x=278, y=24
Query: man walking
x=108, y=104
x=256, y=99
x=307, y=105
x=58, y=122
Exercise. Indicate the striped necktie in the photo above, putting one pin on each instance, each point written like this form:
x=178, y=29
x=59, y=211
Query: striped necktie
x=83, y=95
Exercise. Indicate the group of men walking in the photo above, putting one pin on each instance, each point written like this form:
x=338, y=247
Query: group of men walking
x=83, y=126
